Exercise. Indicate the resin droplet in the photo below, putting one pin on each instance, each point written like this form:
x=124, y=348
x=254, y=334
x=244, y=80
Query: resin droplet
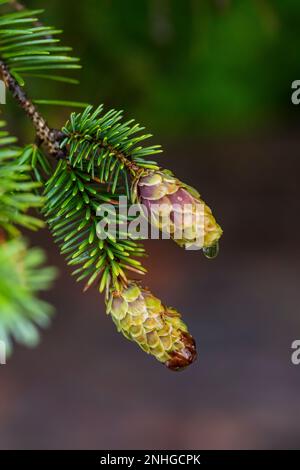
x=211, y=252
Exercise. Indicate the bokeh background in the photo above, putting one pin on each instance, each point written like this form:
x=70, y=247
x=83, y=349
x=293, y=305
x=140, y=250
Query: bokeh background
x=212, y=81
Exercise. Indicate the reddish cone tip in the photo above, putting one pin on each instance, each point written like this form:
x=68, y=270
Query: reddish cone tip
x=181, y=359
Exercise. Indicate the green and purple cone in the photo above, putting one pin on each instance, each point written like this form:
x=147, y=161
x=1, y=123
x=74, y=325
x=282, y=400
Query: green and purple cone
x=157, y=329
x=177, y=209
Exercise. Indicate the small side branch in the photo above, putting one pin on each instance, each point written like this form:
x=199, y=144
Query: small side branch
x=17, y=5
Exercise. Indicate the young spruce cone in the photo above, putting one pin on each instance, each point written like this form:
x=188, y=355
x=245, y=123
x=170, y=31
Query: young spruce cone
x=173, y=206
x=157, y=329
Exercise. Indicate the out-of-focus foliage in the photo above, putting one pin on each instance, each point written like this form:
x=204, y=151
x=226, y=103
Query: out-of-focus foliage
x=17, y=188
x=22, y=274
x=214, y=66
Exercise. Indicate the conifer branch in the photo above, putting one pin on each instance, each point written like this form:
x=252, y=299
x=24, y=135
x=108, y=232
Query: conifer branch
x=41, y=36
x=100, y=158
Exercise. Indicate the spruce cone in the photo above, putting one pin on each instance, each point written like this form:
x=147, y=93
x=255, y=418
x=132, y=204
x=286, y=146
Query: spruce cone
x=177, y=209
x=157, y=329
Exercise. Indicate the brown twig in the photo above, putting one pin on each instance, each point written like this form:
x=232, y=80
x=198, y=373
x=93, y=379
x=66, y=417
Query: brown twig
x=17, y=5
x=2, y=236
x=50, y=137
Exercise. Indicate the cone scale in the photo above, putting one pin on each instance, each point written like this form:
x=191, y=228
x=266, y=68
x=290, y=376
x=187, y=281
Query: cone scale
x=158, y=330
x=165, y=198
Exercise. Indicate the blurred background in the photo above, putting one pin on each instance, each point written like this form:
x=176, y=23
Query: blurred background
x=212, y=81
